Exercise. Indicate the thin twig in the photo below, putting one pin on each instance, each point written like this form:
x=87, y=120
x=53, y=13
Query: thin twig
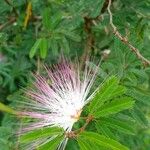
x=11, y=21
x=89, y=22
x=75, y=133
x=145, y=61
x=89, y=42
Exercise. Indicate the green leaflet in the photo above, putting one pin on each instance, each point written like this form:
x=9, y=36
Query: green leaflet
x=70, y=34
x=138, y=95
x=56, y=20
x=114, y=107
x=65, y=45
x=107, y=91
x=43, y=48
x=40, y=133
x=139, y=116
x=83, y=144
x=52, y=144
x=103, y=129
x=54, y=46
x=34, y=48
x=101, y=140
x=124, y=126
x=46, y=18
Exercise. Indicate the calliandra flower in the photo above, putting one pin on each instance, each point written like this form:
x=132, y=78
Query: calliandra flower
x=59, y=98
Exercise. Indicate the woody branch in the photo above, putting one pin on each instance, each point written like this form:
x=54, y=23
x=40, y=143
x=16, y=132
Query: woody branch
x=145, y=61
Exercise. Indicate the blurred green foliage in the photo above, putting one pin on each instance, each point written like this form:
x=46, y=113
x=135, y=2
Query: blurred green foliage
x=61, y=26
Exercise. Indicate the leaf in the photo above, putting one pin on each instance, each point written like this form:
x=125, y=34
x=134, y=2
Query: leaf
x=46, y=18
x=107, y=91
x=100, y=71
x=4, y=144
x=114, y=107
x=138, y=95
x=7, y=109
x=71, y=35
x=54, y=46
x=40, y=133
x=43, y=48
x=73, y=144
x=103, y=129
x=83, y=145
x=102, y=140
x=141, y=74
x=86, y=144
x=120, y=90
x=65, y=45
x=56, y=20
x=52, y=144
x=5, y=132
x=34, y=48
x=139, y=116
x=98, y=8
x=121, y=125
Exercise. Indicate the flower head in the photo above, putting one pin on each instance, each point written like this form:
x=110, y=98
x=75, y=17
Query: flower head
x=59, y=98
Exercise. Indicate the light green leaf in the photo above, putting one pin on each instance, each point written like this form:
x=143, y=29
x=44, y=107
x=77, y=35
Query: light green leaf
x=40, y=133
x=83, y=144
x=121, y=125
x=46, y=18
x=86, y=144
x=102, y=140
x=34, y=48
x=43, y=48
x=7, y=109
x=107, y=91
x=103, y=129
x=114, y=107
x=52, y=144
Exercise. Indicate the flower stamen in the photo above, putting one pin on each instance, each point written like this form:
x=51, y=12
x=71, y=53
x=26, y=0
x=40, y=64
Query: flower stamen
x=76, y=117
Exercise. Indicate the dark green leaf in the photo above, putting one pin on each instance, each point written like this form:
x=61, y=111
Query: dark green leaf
x=139, y=116
x=138, y=95
x=54, y=46
x=65, y=45
x=71, y=35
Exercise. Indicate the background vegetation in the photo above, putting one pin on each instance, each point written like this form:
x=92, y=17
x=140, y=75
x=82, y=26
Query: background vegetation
x=36, y=32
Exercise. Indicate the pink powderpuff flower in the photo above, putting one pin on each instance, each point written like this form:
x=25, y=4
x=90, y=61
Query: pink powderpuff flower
x=59, y=98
